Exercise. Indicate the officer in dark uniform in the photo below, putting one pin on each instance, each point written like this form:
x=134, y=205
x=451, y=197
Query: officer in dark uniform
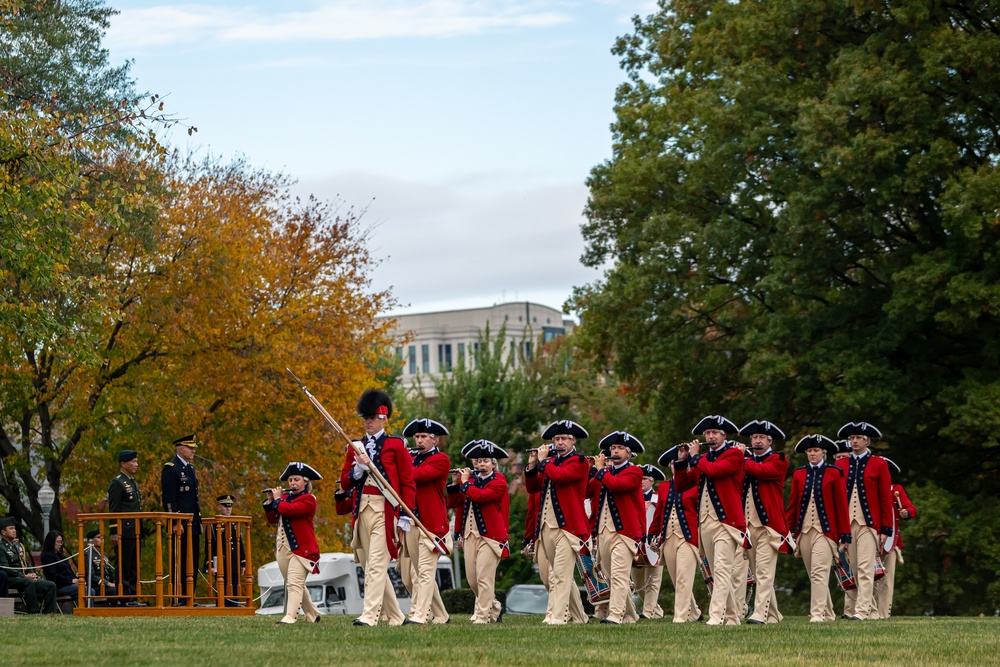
x=14, y=562
x=234, y=559
x=179, y=487
x=124, y=496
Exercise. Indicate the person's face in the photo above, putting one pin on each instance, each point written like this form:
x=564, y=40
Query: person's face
x=715, y=437
x=59, y=542
x=9, y=532
x=185, y=452
x=425, y=441
x=815, y=455
x=130, y=467
x=647, y=484
x=619, y=453
x=225, y=510
x=859, y=443
x=760, y=442
x=98, y=541
x=483, y=466
x=564, y=443
x=296, y=483
x=373, y=424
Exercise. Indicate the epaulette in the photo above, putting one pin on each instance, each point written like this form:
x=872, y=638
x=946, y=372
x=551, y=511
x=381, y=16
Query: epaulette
x=168, y=463
x=580, y=456
x=781, y=455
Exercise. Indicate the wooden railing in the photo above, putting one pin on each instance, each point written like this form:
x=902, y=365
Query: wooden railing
x=173, y=535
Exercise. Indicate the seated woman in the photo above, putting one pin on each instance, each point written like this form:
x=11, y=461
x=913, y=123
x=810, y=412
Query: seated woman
x=56, y=565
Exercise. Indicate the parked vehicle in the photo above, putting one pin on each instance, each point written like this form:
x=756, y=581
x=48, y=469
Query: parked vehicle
x=339, y=586
x=534, y=599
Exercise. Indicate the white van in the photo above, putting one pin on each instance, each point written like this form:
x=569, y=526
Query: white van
x=339, y=587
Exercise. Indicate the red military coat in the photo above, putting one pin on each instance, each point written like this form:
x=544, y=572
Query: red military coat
x=722, y=473
x=875, y=493
x=343, y=503
x=900, y=501
x=832, y=508
x=489, y=502
x=296, y=516
x=394, y=462
x=566, y=477
x=764, y=482
x=621, y=492
x=667, y=499
x=430, y=474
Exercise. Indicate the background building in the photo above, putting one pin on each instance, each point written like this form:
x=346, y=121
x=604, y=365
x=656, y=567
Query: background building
x=439, y=340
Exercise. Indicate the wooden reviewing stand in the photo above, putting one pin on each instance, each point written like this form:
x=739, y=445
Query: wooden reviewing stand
x=164, y=595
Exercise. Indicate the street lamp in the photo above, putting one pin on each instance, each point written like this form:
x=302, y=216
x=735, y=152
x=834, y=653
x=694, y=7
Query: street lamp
x=46, y=496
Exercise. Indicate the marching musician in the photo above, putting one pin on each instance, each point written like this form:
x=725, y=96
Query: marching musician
x=764, y=507
x=903, y=510
x=375, y=518
x=233, y=555
x=843, y=449
x=869, y=505
x=563, y=529
x=418, y=557
x=343, y=502
x=482, y=521
x=817, y=515
x=295, y=546
x=649, y=578
x=720, y=509
x=675, y=531
x=618, y=528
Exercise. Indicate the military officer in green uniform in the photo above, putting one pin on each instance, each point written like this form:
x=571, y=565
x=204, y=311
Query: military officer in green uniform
x=100, y=572
x=124, y=496
x=233, y=558
x=14, y=563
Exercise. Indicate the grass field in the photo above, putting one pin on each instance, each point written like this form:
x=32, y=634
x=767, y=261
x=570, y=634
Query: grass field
x=520, y=640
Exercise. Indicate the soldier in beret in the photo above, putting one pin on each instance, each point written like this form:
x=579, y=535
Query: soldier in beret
x=100, y=572
x=869, y=505
x=817, y=514
x=617, y=526
x=14, y=563
x=124, y=496
x=179, y=486
x=234, y=557
x=649, y=578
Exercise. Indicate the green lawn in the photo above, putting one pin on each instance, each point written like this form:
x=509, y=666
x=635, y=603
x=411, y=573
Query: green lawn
x=520, y=640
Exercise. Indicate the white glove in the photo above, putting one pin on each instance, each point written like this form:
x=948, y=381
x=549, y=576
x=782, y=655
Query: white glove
x=359, y=470
x=404, y=524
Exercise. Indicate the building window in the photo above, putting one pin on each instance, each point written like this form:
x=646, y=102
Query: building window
x=526, y=347
x=513, y=354
x=461, y=353
x=399, y=353
x=413, y=359
x=444, y=358
x=425, y=358
x=551, y=333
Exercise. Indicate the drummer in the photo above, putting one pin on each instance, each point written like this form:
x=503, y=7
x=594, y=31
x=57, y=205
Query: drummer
x=618, y=529
x=647, y=570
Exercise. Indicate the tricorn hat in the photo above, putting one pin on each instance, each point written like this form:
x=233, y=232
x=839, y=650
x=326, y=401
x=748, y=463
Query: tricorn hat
x=126, y=455
x=843, y=447
x=301, y=469
x=816, y=440
x=669, y=456
x=564, y=427
x=761, y=426
x=484, y=449
x=649, y=470
x=186, y=440
x=896, y=470
x=860, y=428
x=621, y=438
x=424, y=426
x=716, y=422
x=375, y=403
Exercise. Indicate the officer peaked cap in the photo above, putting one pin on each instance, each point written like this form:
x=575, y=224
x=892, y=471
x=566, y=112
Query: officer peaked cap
x=860, y=428
x=715, y=422
x=484, y=449
x=375, y=403
x=761, y=426
x=649, y=470
x=301, y=469
x=187, y=441
x=126, y=455
x=227, y=499
x=816, y=440
x=564, y=427
x=424, y=426
x=621, y=438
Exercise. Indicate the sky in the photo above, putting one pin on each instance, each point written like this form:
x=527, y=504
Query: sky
x=462, y=130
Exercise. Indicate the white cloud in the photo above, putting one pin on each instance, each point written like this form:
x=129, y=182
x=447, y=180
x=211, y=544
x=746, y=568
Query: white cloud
x=330, y=20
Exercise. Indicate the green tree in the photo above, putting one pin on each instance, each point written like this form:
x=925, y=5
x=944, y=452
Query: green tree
x=802, y=214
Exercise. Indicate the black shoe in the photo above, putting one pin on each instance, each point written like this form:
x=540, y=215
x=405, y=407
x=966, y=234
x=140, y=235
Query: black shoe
x=644, y=617
x=500, y=617
x=179, y=604
x=701, y=617
x=609, y=621
x=282, y=623
x=317, y=619
x=754, y=621
x=358, y=621
x=852, y=618
x=844, y=617
x=410, y=621
x=135, y=603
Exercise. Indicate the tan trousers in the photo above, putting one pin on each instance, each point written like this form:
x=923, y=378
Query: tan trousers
x=722, y=548
x=371, y=551
x=577, y=614
x=560, y=549
x=681, y=560
x=647, y=584
x=762, y=561
x=418, y=568
x=861, y=553
x=818, y=551
x=615, y=554
x=294, y=570
x=883, y=597
x=482, y=556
